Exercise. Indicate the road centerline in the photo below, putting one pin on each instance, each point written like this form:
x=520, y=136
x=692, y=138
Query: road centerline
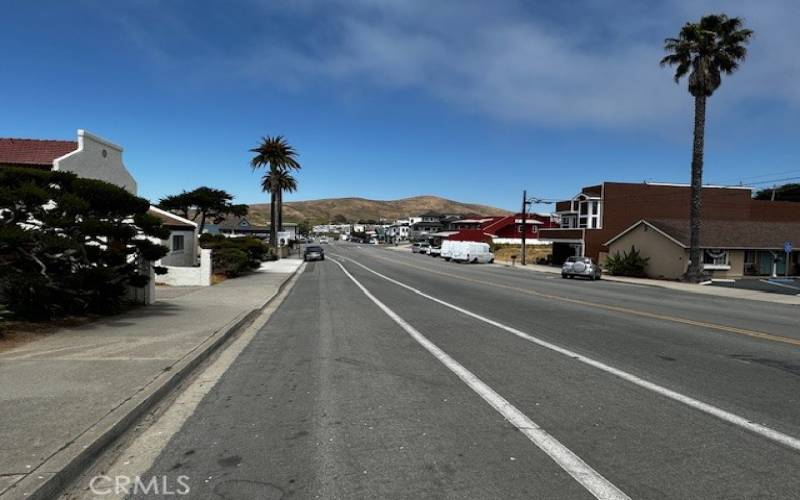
x=625, y=310
x=724, y=415
x=584, y=474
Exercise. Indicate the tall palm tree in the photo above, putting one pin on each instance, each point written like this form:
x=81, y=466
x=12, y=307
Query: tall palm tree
x=277, y=181
x=277, y=155
x=705, y=51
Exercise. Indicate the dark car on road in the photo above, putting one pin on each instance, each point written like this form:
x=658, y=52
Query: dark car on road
x=313, y=252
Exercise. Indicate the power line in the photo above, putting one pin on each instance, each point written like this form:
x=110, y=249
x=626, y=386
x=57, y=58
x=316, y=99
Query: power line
x=759, y=176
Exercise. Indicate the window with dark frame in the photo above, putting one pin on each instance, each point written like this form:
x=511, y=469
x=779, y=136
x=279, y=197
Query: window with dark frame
x=177, y=242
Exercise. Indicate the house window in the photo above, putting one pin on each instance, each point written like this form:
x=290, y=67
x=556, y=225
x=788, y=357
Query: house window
x=589, y=214
x=715, y=258
x=177, y=242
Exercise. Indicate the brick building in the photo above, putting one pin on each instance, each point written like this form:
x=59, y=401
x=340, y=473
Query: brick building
x=599, y=214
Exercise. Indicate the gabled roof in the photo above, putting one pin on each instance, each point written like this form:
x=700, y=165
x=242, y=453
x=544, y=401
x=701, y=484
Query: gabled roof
x=33, y=152
x=171, y=220
x=240, y=224
x=725, y=234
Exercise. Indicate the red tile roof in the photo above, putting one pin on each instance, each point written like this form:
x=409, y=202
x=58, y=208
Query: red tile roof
x=33, y=151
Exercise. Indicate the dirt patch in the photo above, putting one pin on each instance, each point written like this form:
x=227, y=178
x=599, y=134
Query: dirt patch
x=533, y=253
x=15, y=333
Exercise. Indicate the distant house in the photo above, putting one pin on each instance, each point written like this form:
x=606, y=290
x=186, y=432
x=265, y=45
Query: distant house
x=396, y=232
x=234, y=227
x=427, y=224
x=182, y=241
x=505, y=229
x=238, y=226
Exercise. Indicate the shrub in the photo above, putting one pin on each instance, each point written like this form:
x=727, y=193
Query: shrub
x=234, y=256
x=70, y=245
x=628, y=264
x=231, y=262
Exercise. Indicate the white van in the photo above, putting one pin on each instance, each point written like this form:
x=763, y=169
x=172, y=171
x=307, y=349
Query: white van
x=471, y=252
x=447, y=249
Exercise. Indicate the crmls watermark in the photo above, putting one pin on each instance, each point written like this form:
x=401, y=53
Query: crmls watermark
x=126, y=485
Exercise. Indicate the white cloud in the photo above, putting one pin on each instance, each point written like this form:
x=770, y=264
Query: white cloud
x=589, y=63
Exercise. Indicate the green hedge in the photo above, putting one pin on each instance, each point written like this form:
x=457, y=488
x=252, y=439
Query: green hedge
x=235, y=256
x=70, y=245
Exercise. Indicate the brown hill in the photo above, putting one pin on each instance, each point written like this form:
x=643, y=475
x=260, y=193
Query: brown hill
x=355, y=209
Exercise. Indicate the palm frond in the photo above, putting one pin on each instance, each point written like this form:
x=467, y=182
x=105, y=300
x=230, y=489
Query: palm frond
x=707, y=49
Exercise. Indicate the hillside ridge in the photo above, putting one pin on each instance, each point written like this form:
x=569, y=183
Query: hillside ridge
x=355, y=208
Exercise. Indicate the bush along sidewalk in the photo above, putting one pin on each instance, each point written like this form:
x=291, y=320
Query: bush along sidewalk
x=233, y=257
x=70, y=245
x=628, y=264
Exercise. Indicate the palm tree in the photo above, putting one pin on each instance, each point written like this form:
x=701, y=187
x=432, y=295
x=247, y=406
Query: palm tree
x=277, y=156
x=705, y=51
x=277, y=181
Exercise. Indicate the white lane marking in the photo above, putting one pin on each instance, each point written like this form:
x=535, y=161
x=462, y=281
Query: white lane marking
x=732, y=418
x=589, y=478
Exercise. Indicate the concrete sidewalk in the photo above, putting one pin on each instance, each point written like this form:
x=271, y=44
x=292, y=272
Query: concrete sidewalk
x=676, y=285
x=63, y=397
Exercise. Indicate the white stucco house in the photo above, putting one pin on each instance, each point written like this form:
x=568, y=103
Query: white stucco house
x=182, y=241
x=97, y=158
x=89, y=156
x=93, y=157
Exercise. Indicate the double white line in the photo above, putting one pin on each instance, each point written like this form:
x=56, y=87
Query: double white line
x=589, y=478
x=577, y=468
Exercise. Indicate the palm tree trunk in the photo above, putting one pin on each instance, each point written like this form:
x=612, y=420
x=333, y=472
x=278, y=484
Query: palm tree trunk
x=695, y=271
x=273, y=237
x=280, y=210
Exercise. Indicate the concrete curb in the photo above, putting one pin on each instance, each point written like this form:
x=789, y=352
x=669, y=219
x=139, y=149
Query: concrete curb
x=57, y=472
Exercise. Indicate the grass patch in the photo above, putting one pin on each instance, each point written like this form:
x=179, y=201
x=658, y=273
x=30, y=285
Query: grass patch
x=534, y=253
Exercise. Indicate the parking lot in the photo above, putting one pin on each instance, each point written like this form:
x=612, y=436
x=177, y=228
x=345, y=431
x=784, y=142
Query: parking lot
x=785, y=286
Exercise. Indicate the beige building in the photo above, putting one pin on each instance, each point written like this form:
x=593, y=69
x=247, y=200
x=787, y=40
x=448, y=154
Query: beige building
x=731, y=249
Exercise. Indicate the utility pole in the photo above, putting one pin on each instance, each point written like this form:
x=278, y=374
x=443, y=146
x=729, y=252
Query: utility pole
x=524, y=210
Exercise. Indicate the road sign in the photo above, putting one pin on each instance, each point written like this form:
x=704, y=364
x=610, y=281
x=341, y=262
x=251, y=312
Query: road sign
x=787, y=247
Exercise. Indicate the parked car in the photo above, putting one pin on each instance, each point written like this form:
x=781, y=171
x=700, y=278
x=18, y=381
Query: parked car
x=471, y=252
x=313, y=252
x=420, y=247
x=435, y=251
x=323, y=240
x=580, y=266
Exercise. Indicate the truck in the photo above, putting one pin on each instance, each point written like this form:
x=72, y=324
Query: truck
x=471, y=252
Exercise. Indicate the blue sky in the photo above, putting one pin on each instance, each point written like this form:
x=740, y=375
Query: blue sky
x=470, y=100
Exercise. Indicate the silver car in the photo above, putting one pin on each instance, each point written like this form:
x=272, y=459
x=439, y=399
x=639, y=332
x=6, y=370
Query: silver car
x=580, y=266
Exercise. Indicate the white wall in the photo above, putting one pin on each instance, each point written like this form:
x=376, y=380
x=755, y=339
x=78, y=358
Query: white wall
x=188, y=276
x=186, y=257
x=99, y=159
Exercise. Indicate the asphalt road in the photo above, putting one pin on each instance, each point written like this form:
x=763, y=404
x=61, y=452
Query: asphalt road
x=512, y=385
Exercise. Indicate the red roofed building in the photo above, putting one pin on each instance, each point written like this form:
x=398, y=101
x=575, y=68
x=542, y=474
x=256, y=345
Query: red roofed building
x=90, y=156
x=502, y=229
x=33, y=152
